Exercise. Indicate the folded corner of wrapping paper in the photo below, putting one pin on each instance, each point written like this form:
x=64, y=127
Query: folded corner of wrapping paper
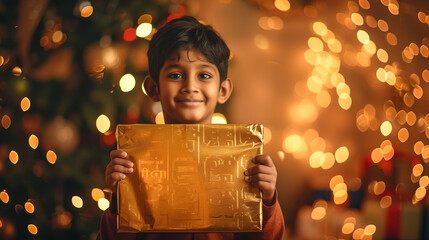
x=189, y=178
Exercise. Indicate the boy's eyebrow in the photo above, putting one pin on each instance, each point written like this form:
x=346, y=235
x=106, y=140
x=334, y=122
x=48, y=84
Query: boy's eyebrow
x=175, y=65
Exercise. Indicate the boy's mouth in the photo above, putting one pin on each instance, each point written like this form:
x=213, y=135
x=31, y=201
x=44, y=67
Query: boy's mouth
x=189, y=102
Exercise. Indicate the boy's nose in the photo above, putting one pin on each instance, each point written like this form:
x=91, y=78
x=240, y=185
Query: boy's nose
x=189, y=85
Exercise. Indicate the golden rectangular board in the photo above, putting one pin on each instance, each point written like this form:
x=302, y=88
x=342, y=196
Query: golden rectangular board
x=189, y=178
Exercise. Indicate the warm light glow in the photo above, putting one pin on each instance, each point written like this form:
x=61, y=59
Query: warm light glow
x=219, y=118
x=267, y=135
x=292, y=143
x=282, y=5
x=370, y=230
x=159, y=118
x=363, y=37
x=29, y=207
x=25, y=104
x=348, y=228
x=377, y=155
x=358, y=233
x=4, y=196
x=425, y=75
x=51, y=156
x=320, y=28
x=411, y=118
x=314, y=84
x=103, y=123
x=382, y=25
x=86, y=11
x=317, y=159
x=345, y=101
x=341, y=154
x=77, y=202
x=371, y=21
x=32, y=229
x=127, y=82
x=33, y=141
x=17, y=71
x=420, y=193
x=318, y=213
x=261, y=42
x=335, y=181
x=391, y=39
x=145, y=18
x=357, y=19
x=103, y=204
x=379, y=187
x=96, y=194
x=424, y=181
x=334, y=45
x=403, y=134
x=418, y=170
x=386, y=201
x=143, y=30
x=386, y=128
x=329, y=161
x=13, y=157
x=6, y=121
x=323, y=98
x=382, y=55
x=315, y=44
x=281, y=155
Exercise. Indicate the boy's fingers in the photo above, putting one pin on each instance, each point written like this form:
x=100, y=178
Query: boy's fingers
x=119, y=169
x=258, y=169
x=120, y=161
x=264, y=160
x=118, y=154
x=259, y=177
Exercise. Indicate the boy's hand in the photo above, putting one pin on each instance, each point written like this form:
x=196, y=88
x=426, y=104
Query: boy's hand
x=263, y=176
x=117, y=169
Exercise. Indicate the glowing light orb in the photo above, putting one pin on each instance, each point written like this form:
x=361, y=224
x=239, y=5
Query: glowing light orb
x=102, y=123
x=127, y=82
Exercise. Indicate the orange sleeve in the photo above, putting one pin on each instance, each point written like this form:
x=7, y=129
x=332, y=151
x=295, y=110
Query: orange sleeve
x=108, y=226
x=273, y=222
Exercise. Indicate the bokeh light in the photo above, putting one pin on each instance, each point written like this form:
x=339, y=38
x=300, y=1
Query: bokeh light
x=103, y=204
x=51, y=156
x=33, y=141
x=77, y=202
x=25, y=104
x=218, y=118
x=13, y=157
x=144, y=30
x=127, y=82
x=102, y=123
x=97, y=194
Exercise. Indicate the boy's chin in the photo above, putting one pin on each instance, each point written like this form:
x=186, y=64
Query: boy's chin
x=193, y=120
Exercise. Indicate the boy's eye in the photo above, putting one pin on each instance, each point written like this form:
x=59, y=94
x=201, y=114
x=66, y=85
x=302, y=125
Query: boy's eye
x=205, y=75
x=175, y=75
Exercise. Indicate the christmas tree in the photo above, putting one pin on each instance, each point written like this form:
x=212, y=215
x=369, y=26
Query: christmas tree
x=70, y=71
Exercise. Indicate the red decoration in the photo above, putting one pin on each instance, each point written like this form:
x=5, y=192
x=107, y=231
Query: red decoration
x=130, y=35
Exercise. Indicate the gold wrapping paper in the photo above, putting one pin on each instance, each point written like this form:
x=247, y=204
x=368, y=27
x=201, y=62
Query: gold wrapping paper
x=189, y=178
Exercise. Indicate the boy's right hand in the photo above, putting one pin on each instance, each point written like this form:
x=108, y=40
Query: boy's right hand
x=117, y=169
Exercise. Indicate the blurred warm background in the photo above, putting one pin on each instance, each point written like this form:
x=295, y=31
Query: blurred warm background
x=341, y=86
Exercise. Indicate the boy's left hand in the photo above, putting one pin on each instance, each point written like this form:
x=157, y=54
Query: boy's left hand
x=263, y=176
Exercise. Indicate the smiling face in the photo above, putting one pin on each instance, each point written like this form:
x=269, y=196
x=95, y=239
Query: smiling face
x=189, y=88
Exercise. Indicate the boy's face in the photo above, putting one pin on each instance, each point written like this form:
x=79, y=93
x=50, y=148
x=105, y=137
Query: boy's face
x=189, y=88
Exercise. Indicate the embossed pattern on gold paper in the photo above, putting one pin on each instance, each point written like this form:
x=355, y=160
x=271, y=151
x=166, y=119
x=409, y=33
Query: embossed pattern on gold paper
x=189, y=177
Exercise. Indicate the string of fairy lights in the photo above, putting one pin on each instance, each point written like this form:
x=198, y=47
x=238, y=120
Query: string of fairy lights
x=326, y=53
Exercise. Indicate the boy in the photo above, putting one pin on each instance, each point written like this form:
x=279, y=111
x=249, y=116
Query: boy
x=188, y=64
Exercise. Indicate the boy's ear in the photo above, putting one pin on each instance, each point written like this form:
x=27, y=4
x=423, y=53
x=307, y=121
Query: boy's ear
x=225, y=91
x=151, y=88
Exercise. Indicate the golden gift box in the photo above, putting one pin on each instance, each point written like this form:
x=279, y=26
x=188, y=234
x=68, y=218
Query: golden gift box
x=189, y=178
